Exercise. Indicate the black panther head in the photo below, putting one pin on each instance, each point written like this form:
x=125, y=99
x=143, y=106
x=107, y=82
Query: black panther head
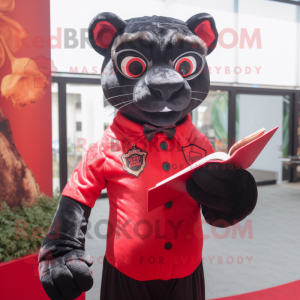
x=154, y=71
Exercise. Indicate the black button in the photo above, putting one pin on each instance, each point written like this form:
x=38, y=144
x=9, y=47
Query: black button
x=169, y=204
x=164, y=146
x=166, y=166
x=168, y=246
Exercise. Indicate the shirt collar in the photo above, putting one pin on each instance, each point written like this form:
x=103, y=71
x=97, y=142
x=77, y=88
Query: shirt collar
x=134, y=131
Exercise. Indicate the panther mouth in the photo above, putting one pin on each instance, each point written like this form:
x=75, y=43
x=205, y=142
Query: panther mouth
x=161, y=118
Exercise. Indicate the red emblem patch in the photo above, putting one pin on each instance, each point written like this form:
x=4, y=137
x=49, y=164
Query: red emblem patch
x=193, y=153
x=134, y=161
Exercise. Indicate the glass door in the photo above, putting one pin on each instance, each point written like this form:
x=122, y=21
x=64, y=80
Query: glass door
x=254, y=112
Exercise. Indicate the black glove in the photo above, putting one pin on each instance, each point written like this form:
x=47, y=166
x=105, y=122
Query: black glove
x=224, y=192
x=63, y=264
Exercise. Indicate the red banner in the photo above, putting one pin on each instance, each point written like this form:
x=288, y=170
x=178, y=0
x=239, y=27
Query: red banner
x=25, y=101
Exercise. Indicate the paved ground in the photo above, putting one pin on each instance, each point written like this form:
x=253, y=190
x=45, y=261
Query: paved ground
x=265, y=255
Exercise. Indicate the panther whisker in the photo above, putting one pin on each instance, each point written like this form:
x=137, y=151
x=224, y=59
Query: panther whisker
x=119, y=104
x=126, y=104
x=206, y=101
x=132, y=101
x=103, y=100
x=119, y=96
x=197, y=99
x=106, y=99
x=118, y=86
x=199, y=92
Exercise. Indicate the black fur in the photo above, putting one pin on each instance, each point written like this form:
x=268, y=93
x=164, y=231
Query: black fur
x=194, y=21
x=63, y=263
x=227, y=195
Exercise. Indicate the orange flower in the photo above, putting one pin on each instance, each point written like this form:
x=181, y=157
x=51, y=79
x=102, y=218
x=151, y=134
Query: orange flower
x=19, y=87
x=39, y=69
x=12, y=31
x=7, y=5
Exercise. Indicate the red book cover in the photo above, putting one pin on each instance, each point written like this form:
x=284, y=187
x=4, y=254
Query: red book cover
x=243, y=158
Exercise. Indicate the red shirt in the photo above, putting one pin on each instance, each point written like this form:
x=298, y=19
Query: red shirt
x=166, y=242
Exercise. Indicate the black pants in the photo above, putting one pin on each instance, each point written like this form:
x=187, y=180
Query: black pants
x=117, y=286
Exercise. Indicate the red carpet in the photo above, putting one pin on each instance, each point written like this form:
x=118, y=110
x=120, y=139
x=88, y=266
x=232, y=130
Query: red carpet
x=289, y=291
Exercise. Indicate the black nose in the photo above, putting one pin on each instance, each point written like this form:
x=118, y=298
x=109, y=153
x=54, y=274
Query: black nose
x=163, y=80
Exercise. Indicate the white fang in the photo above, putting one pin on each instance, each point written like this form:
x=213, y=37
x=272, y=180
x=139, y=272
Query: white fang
x=166, y=109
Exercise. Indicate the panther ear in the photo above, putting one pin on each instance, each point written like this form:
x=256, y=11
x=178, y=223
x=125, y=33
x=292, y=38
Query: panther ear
x=103, y=29
x=203, y=25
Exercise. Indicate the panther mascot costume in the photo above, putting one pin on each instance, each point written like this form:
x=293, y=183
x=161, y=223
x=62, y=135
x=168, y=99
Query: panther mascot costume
x=154, y=74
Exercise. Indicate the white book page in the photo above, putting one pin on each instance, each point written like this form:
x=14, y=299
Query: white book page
x=214, y=156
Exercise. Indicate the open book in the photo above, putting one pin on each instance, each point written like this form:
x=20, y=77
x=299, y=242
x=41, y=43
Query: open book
x=241, y=155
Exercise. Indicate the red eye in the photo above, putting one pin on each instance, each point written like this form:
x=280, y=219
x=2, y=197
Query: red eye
x=133, y=66
x=186, y=66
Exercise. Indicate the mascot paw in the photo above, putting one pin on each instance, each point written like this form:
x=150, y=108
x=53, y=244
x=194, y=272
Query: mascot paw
x=66, y=277
x=222, y=187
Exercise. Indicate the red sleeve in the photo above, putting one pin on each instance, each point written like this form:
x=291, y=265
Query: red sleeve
x=87, y=179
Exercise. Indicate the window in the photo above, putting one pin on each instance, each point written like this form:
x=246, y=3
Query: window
x=78, y=104
x=78, y=126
